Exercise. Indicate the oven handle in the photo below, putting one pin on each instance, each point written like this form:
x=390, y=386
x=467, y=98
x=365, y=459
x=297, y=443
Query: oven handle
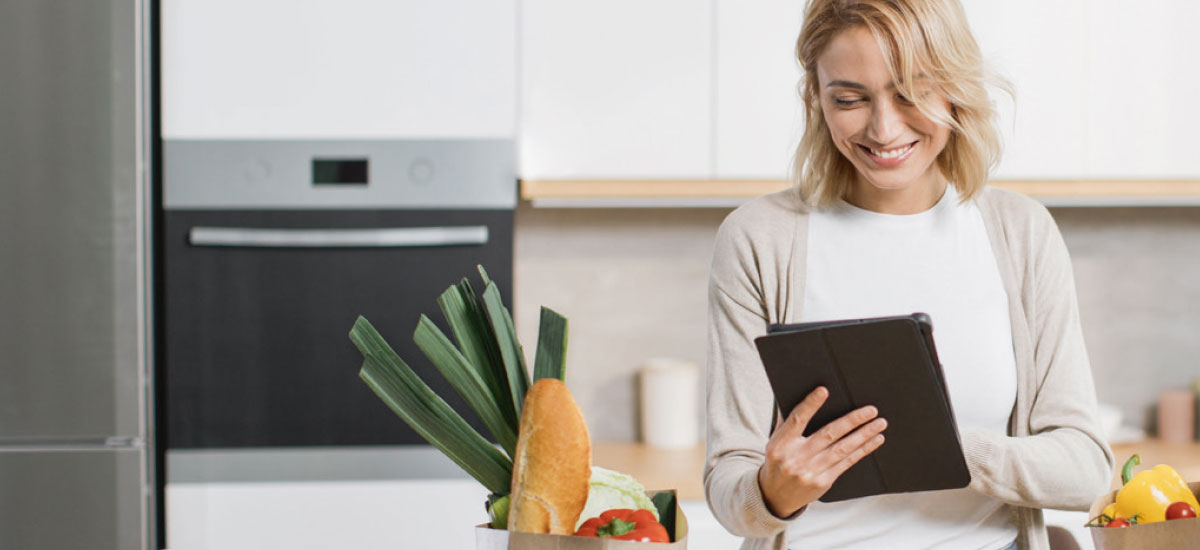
x=389, y=237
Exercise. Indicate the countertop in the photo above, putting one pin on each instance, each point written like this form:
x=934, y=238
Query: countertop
x=682, y=469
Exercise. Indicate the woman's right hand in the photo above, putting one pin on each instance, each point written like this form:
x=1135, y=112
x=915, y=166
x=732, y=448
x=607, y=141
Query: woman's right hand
x=800, y=469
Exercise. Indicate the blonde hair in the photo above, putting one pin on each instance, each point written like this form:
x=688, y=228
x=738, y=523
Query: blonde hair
x=926, y=37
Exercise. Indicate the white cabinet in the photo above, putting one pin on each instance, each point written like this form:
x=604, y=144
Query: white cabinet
x=1041, y=48
x=680, y=89
x=359, y=515
x=350, y=68
x=616, y=89
x=759, y=115
x=1141, y=94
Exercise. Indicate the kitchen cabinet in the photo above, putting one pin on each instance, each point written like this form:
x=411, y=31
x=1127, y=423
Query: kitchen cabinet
x=1040, y=47
x=618, y=89
x=349, y=69
x=363, y=515
x=1140, y=91
x=759, y=115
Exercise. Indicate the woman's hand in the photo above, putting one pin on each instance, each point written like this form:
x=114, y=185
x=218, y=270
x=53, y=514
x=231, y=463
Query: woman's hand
x=800, y=469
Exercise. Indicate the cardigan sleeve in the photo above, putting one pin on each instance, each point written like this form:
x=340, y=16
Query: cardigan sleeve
x=740, y=402
x=1064, y=462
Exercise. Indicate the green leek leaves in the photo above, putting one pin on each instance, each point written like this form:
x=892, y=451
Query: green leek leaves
x=485, y=364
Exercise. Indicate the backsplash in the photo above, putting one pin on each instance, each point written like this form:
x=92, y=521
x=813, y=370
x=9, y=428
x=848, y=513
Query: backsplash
x=633, y=284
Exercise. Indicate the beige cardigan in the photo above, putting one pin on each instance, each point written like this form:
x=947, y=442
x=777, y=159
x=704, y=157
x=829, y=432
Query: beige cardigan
x=1054, y=455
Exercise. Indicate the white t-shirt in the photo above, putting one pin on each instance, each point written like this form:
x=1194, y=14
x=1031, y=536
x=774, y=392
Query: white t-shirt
x=867, y=264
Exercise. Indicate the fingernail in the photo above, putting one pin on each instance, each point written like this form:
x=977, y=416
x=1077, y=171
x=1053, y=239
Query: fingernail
x=871, y=410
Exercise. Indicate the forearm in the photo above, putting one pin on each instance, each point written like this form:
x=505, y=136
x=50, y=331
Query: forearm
x=1063, y=468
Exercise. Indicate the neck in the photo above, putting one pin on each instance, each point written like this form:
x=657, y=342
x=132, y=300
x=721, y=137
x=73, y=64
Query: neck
x=912, y=199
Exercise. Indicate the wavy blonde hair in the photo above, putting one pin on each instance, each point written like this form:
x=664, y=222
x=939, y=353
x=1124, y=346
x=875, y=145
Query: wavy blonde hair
x=918, y=37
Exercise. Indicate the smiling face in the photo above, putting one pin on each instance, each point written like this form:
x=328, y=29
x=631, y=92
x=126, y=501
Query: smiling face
x=891, y=143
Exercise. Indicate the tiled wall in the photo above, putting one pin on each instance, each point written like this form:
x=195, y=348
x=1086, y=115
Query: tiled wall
x=632, y=282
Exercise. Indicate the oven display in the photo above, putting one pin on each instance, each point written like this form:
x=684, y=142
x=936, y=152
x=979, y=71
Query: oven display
x=339, y=171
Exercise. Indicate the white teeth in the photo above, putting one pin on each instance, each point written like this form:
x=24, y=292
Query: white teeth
x=891, y=153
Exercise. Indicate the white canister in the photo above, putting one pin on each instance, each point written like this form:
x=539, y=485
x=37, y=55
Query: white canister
x=669, y=395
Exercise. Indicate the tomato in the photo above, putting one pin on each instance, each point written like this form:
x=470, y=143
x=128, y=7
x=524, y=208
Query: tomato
x=1180, y=510
x=1117, y=522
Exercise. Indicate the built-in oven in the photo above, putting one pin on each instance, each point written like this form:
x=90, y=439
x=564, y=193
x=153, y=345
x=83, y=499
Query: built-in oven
x=272, y=249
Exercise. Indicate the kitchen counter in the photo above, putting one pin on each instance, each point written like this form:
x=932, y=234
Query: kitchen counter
x=1185, y=458
x=679, y=469
x=683, y=469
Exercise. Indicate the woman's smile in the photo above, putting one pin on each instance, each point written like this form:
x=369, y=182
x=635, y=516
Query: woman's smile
x=889, y=157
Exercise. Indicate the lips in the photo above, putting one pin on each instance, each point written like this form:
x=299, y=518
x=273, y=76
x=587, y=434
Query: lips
x=888, y=157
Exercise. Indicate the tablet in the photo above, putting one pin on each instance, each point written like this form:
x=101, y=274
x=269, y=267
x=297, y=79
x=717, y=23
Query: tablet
x=888, y=362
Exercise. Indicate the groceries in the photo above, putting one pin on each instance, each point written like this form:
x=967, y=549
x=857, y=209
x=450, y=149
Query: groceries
x=625, y=524
x=539, y=470
x=552, y=464
x=1153, y=509
x=1145, y=497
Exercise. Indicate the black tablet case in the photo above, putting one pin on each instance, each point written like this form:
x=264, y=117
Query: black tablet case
x=889, y=362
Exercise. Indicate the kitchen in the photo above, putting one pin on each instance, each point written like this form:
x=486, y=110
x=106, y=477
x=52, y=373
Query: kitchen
x=637, y=128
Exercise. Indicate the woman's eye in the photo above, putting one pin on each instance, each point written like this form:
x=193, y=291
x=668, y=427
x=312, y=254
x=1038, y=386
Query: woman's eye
x=845, y=101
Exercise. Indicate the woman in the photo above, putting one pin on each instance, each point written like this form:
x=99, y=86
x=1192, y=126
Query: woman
x=891, y=215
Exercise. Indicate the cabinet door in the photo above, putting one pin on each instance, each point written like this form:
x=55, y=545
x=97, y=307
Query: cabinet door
x=1141, y=89
x=759, y=113
x=616, y=89
x=1040, y=47
x=352, y=68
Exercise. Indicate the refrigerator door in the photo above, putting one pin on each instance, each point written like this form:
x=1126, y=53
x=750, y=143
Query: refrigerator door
x=72, y=148
x=72, y=499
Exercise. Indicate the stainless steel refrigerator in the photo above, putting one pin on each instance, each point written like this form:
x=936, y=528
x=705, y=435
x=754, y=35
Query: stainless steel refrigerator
x=76, y=456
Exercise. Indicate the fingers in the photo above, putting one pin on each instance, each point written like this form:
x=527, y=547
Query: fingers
x=851, y=445
x=803, y=413
x=838, y=429
x=853, y=457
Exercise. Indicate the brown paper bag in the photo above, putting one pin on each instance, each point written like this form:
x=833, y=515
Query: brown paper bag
x=497, y=539
x=1176, y=534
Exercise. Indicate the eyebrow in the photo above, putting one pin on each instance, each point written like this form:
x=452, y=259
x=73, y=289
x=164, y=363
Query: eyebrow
x=857, y=86
x=849, y=84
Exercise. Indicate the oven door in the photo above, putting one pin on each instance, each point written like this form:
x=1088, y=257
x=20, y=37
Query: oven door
x=259, y=304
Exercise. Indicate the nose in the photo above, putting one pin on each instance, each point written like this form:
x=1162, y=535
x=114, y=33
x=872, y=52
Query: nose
x=886, y=124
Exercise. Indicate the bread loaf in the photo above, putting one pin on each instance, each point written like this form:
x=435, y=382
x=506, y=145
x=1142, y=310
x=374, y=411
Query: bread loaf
x=553, y=462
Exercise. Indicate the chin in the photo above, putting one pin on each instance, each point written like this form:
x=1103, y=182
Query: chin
x=889, y=182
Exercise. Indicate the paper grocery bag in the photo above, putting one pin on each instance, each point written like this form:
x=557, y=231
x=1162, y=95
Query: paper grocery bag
x=1176, y=534
x=487, y=538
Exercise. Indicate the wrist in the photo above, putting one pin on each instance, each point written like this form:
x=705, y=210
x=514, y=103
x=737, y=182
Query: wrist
x=771, y=498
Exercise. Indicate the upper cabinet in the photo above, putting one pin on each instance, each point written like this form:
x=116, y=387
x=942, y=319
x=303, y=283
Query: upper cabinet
x=680, y=89
x=346, y=69
x=1039, y=47
x=1141, y=92
x=759, y=116
x=616, y=89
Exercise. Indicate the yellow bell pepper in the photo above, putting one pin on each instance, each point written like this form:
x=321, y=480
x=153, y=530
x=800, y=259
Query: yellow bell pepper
x=1148, y=494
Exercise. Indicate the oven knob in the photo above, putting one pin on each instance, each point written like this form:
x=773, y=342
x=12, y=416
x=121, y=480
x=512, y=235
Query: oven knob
x=254, y=171
x=421, y=171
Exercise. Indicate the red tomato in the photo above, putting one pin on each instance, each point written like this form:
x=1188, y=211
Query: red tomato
x=1180, y=510
x=1118, y=522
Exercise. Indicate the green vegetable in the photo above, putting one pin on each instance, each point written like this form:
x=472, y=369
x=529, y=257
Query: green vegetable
x=485, y=364
x=608, y=490
x=498, y=511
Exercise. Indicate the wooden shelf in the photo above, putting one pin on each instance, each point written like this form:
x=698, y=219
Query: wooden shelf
x=683, y=469
x=729, y=193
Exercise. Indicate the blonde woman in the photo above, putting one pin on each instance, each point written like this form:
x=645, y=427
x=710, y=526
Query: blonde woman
x=890, y=215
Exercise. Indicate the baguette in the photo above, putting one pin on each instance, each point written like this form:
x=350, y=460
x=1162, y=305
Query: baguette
x=553, y=462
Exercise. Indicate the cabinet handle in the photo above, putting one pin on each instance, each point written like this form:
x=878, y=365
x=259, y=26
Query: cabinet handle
x=389, y=237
